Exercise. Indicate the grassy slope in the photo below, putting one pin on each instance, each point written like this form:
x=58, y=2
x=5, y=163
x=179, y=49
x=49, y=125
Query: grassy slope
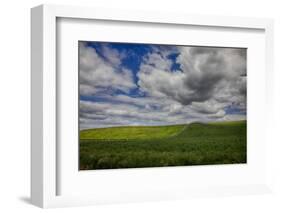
x=196, y=144
x=131, y=132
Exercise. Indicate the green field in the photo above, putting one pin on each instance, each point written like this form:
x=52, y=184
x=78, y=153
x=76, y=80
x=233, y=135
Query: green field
x=175, y=145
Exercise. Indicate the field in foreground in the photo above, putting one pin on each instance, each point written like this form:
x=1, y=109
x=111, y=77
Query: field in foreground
x=176, y=145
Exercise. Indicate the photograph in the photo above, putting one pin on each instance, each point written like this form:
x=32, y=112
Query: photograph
x=161, y=105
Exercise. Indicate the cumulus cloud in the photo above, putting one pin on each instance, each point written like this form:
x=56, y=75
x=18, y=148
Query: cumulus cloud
x=99, y=74
x=205, y=73
x=208, y=79
x=95, y=114
x=175, y=84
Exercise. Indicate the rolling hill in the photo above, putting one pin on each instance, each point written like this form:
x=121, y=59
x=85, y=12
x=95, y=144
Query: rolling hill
x=176, y=145
x=131, y=132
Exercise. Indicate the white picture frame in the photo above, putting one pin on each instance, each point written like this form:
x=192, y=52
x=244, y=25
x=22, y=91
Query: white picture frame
x=44, y=149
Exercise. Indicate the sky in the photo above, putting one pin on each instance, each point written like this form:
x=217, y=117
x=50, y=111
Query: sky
x=147, y=84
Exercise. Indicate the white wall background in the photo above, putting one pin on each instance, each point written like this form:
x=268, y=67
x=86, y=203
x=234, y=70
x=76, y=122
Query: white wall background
x=15, y=99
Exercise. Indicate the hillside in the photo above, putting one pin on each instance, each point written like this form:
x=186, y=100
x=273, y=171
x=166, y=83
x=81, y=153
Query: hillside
x=131, y=132
x=192, y=144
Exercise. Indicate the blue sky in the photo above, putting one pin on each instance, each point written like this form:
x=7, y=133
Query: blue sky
x=145, y=84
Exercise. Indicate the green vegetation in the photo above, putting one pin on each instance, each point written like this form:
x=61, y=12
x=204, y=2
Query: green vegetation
x=178, y=145
x=131, y=132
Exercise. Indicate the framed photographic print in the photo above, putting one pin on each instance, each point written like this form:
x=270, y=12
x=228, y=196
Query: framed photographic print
x=130, y=106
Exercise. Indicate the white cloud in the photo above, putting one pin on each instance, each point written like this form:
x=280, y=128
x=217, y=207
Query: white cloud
x=209, y=78
x=220, y=72
x=98, y=74
x=233, y=117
